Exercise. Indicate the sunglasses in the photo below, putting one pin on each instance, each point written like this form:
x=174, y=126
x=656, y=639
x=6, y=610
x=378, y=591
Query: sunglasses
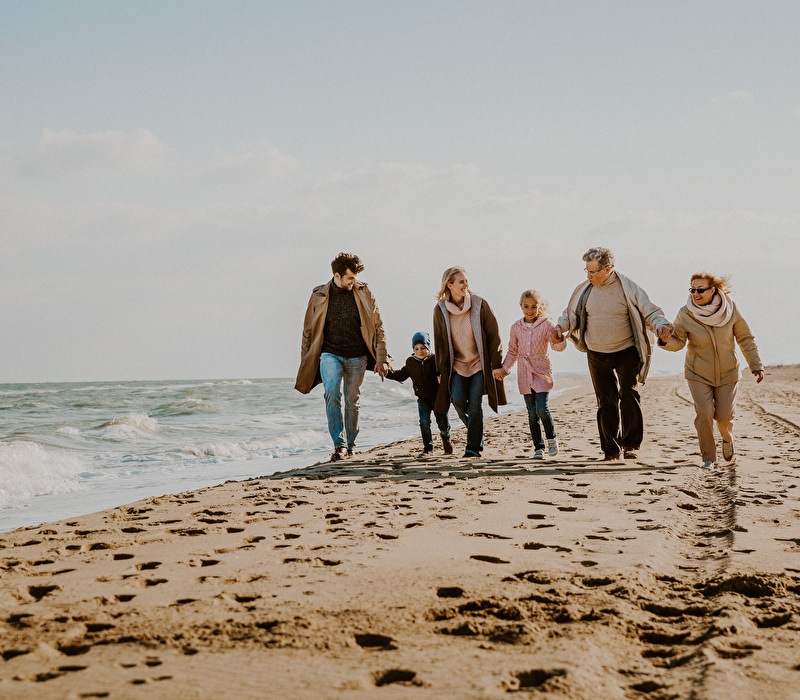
x=699, y=290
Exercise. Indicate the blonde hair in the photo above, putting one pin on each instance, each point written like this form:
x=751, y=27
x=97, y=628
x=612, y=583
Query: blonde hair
x=538, y=298
x=721, y=283
x=448, y=276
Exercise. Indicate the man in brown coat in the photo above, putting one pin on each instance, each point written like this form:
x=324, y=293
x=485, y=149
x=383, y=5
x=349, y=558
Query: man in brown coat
x=342, y=338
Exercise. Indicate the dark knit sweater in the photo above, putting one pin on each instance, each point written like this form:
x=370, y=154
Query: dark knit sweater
x=342, y=334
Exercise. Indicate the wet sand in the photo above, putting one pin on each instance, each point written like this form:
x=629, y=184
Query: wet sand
x=394, y=575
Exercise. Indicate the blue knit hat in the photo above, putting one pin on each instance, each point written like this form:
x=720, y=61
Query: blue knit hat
x=421, y=337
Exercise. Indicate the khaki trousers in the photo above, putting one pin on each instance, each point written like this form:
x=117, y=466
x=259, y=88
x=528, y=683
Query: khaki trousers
x=712, y=403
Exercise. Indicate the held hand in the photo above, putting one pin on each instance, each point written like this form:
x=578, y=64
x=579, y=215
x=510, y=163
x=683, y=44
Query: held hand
x=556, y=336
x=499, y=374
x=382, y=370
x=664, y=334
x=759, y=375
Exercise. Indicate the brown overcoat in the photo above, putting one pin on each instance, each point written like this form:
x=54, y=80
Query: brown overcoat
x=490, y=349
x=314, y=327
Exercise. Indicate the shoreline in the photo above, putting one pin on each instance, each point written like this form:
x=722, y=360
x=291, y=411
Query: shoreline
x=437, y=576
x=69, y=504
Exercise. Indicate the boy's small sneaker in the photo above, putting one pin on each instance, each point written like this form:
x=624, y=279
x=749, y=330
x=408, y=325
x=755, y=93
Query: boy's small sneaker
x=447, y=446
x=538, y=454
x=708, y=464
x=552, y=447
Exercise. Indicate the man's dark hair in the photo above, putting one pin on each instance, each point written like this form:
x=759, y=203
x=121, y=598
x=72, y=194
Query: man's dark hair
x=346, y=261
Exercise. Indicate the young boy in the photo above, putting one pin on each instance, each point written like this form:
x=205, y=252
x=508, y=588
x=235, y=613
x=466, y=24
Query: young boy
x=421, y=367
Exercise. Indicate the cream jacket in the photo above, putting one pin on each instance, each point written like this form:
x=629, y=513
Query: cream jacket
x=711, y=353
x=645, y=317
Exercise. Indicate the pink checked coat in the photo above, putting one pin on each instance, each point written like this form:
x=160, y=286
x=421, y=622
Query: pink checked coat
x=528, y=348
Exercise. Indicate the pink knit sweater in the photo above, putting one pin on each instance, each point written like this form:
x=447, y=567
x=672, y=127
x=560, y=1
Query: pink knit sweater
x=529, y=346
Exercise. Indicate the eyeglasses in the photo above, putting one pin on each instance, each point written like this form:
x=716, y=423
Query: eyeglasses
x=699, y=290
x=592, y=273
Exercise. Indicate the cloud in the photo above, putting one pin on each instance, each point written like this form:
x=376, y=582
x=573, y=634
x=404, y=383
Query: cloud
x=61, y=154
x=734, y=97
x=251, y=163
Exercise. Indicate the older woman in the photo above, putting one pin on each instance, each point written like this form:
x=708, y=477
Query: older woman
x=711, y=325
x=467, y=346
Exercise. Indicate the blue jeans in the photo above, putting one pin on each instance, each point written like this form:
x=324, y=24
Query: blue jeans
x=467, y=393
x=425, y=409
x=538, y=410
x=334, y=369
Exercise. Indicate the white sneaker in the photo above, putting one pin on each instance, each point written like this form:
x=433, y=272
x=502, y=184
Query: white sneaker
x=708, y=464
x=727, y=451
x=552, y=447
x=538, y=454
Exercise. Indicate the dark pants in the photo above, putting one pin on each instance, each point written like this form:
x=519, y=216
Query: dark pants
x=538, y=410
x=467, y=394
x=425, y=409
x=614, y=379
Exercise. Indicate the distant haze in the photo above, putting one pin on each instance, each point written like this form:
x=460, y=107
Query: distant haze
x=175, y=177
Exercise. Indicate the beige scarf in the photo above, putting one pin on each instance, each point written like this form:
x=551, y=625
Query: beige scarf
x=716, y=313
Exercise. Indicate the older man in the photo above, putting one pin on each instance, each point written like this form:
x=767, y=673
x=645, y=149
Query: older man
x=342, y=338
x=608, y=317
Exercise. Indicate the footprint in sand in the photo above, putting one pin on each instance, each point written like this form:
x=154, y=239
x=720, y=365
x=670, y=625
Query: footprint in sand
x=489, y=559
x=396, y=675
x=377, y=642
x=450, y=592
x=535, y=678
x=148, y=566
x=487, y=535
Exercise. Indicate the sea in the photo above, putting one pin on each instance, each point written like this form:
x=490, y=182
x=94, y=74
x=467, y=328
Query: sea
x=68, y=449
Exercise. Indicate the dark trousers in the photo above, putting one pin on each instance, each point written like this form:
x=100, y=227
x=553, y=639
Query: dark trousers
x=538, y=410
x=467, y=395
x=619, y=411
x=442, y=421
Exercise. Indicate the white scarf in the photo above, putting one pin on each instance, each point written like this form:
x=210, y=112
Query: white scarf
x=455, y=310
x=716, y=313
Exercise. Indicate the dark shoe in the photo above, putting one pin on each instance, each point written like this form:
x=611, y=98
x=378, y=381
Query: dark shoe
x=470, y=454
x=611, y=458
x=427, y=450
x=447, y=445
x=727, y=451
x=340, y=453
x=629, y=453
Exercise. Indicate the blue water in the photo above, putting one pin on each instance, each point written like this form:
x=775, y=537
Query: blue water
x=75, y=448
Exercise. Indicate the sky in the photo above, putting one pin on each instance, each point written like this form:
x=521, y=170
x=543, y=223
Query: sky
x=175, y=177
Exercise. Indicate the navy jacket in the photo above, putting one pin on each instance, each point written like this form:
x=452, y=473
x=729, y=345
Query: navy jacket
x=423, y=375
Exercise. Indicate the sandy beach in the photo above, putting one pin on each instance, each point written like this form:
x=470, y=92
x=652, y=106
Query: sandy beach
x=399, y=576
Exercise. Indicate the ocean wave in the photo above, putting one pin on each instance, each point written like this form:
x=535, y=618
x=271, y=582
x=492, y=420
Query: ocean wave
x=28, y=470
x=186, y=407
x=70, y=430
x=132, y=424
x=289, y=443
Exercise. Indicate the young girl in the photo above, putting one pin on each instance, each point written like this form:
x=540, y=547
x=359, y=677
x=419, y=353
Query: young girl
x=530, y=337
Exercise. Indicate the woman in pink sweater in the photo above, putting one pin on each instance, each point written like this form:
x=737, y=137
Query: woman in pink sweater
x=528, y=346
x=468, y=347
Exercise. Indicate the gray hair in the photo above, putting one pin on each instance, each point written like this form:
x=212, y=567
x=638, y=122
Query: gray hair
x=603, y=256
